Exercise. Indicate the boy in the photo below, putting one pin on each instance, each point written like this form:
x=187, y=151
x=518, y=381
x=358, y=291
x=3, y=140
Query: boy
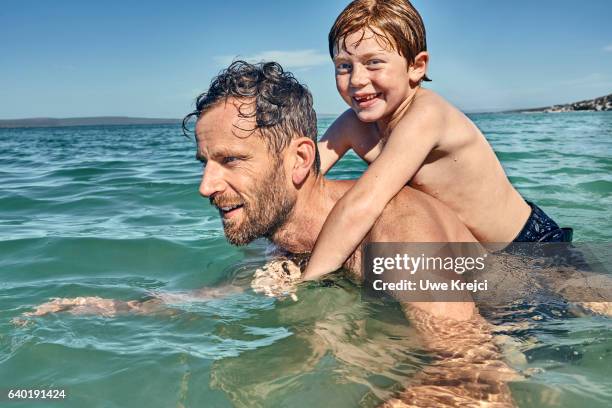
x=409, y=135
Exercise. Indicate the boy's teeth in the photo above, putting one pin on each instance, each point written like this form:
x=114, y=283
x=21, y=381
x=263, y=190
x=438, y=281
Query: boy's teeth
x=366, y=98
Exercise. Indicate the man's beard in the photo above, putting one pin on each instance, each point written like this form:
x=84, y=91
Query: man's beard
x=264, y=215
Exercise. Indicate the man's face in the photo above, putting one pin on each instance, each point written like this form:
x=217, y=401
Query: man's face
x=242, y=178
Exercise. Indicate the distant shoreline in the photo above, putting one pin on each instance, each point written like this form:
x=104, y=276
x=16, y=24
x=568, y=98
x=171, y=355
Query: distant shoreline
x=85, y=121
x=93, y=121
x=601, y=104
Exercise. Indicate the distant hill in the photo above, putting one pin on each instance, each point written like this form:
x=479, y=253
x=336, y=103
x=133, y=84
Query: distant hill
x=603, y=103
x=90, y=121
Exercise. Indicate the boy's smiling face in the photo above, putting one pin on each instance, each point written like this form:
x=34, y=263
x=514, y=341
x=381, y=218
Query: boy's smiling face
x=371, y=76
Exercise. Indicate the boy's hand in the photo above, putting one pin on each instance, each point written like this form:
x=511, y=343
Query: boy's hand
x=278, y=279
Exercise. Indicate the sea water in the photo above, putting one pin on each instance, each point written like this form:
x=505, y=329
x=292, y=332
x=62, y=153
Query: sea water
x=113, y=211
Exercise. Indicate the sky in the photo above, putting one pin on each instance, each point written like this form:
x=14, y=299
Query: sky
x=152, y=58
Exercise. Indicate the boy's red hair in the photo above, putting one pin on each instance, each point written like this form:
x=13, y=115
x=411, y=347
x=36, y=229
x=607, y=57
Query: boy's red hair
x=394, y=22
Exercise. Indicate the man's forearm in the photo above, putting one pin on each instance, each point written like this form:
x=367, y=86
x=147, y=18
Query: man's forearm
x=468, y=367
x=157, y=303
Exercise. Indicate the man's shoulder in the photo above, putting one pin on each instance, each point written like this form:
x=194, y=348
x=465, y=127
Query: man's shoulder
x=410, y=216
x=409, y=202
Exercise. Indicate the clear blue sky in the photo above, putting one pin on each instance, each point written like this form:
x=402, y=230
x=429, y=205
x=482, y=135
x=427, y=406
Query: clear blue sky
x=150, y=58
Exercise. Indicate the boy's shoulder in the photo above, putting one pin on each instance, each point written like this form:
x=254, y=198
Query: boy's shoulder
x=427, y=104
x=427, y=110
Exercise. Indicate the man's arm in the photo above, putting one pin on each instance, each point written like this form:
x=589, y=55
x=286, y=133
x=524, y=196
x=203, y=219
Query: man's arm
x=158, y=304
x=467, y=369
x=277, y=278
x=467, y=366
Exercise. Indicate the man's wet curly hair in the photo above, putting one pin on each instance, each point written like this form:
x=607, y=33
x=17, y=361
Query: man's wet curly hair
x=282, y=106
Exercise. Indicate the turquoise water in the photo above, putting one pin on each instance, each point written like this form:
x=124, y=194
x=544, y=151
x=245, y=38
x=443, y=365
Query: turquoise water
x=114, y=212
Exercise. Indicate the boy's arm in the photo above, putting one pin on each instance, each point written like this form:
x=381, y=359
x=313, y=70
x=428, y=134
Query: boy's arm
x=337, y=140
x=356, y=212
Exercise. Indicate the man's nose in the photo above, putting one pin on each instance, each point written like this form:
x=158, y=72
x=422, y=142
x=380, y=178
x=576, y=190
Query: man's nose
x=359, y=76
x=212, y=180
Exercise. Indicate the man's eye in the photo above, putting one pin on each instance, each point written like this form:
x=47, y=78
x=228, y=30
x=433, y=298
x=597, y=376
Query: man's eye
x=229, y=159
x=374, y=62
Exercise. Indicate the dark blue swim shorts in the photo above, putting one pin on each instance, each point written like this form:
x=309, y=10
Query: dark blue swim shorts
x=541, y=228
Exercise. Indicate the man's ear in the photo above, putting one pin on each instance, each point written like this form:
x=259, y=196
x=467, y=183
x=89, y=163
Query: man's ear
x=418, y=69
x=304, y=149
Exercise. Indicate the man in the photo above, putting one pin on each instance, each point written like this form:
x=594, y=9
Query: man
x=256, y=135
